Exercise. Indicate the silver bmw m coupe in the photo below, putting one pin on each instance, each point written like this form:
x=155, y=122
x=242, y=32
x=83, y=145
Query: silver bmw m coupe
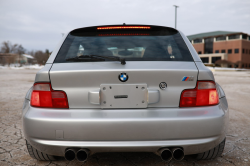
x=125, y=88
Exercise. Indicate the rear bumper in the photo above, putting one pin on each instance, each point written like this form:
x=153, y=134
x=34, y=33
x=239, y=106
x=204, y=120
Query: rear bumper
x=195, y=129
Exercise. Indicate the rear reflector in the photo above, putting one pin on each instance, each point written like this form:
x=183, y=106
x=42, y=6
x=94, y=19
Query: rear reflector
x=124, y=27
x=205, y=94
x=35, y=99
x=43, y=96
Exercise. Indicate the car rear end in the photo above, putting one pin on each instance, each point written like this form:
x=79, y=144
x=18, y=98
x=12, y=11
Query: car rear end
x=162, y=100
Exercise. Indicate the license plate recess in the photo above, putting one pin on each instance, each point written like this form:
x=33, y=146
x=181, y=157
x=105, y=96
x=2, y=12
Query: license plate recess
x=123, y=95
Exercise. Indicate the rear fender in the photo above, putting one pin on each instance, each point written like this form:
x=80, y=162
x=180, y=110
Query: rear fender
x=26, y=101
x=204, y=72
x=220, y=91
x=43, y=74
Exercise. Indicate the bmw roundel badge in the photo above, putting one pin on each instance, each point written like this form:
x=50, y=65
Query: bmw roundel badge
x=123, y=77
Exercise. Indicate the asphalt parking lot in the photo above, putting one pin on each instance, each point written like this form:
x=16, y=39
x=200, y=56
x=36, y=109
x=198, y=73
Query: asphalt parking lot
x=15, y=83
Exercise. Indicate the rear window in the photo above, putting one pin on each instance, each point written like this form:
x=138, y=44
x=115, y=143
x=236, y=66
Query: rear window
x=154, y=44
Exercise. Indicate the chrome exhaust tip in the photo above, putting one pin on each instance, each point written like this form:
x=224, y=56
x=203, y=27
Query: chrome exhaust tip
x=70, y=154
x=82, y=155
x=166, y=154
x=178, y=154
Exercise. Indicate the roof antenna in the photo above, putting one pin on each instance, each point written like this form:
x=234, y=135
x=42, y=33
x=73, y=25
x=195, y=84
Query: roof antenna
x=124, y=24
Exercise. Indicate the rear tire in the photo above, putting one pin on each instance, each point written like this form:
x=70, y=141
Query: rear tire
x=36, y=154
x=212, y=153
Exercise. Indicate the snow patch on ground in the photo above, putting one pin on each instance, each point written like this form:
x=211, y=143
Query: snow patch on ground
x=226, y=69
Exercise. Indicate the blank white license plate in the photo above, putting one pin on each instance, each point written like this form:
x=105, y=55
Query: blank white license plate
x=124, y=96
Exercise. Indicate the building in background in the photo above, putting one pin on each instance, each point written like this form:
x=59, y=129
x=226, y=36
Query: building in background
x=231, y=47
x=26, y=59
x=22, y=59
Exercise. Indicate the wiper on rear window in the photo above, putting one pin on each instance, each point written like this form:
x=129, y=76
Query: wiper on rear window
x=82, y=57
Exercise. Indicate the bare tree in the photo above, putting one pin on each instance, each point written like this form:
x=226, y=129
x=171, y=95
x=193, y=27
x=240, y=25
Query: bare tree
x=41, y=56
x=7, y=47
x=15, y=50
x=32, y=53
x=11, y=50
x=20, y=50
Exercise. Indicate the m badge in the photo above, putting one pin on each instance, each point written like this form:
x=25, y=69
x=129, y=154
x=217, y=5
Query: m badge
x=185, y=78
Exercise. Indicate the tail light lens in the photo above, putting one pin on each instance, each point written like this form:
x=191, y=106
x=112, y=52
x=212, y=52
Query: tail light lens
x=43, y=96
x=205, y=94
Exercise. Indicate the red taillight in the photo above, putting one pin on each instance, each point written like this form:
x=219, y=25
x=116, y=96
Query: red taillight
x=205, y=94
x=124, y=27
x=43, y=96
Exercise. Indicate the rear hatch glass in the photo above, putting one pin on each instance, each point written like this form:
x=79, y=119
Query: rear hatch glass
x=152, y=43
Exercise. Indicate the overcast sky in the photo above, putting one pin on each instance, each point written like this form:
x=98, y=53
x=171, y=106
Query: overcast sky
x=39, y=24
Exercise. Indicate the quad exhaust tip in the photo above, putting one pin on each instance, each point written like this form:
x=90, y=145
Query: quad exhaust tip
x=70, y=154
x=80, y=155
x=178, y=154
x=166, y=154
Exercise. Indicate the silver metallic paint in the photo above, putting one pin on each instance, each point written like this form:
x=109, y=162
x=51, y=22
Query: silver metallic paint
x=94, y=96
x=28, y=94
x=153, y=96
x=56, y=50
x=204, y=72
x=190, y=146
x=220, y=91
x=109, y=127
x=43, y=74
x=77, y=79
x=191, y=48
